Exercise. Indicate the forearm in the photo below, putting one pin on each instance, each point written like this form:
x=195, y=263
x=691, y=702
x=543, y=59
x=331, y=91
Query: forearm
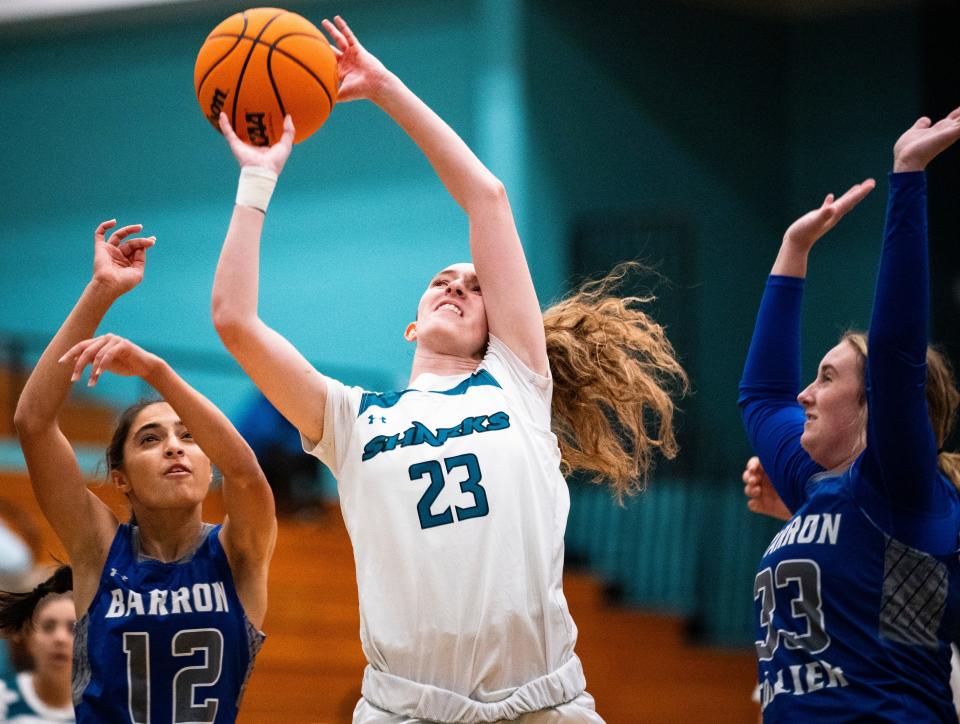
x=773, y=359
x=467, y=180
x=901, y=301
x=210, y=428
x=49, y=384
x=237, y=279
x=899, y=435
x=771, y=377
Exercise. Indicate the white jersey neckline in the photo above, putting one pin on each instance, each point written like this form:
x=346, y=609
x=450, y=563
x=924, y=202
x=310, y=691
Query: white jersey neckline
x=430, y=382
x=30, y=696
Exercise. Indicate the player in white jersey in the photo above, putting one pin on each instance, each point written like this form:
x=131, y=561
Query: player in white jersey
x=452, y=489
x=434, y=485
x=42, y=692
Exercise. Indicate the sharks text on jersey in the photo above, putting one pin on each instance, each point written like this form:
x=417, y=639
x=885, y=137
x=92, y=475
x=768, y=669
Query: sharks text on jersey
x=418, y=433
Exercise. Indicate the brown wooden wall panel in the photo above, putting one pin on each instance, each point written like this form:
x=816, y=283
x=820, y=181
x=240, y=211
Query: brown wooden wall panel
x=83, y=419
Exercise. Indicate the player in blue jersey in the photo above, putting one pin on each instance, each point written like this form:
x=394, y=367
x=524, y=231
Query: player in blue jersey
x=762, y=497
x=858, y=597
x=451, y=489
x=169, y=607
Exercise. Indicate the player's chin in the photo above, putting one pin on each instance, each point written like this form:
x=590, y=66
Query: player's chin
x=450, y=337
x=811, y=444
x=60, y=661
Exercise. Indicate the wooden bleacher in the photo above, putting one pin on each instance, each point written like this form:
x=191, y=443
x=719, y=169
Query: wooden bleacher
x=639, y=667
x=83, y=419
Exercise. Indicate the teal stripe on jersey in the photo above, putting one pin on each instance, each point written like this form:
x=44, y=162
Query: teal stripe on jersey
x=389, y=399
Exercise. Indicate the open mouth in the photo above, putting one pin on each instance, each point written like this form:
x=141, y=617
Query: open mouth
x=177, y=470
x=450, y=308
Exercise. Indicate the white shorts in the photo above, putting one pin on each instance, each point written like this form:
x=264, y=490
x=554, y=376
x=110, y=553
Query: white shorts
x=579, y=711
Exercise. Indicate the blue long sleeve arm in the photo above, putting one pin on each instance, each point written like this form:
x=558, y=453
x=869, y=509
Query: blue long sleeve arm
x=901, y=458
x=771, y=380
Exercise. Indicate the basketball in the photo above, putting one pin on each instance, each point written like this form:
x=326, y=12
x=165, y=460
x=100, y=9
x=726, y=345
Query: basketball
x=259, y=65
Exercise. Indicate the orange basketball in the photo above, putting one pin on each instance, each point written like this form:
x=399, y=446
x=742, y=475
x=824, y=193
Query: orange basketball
x=259, y=65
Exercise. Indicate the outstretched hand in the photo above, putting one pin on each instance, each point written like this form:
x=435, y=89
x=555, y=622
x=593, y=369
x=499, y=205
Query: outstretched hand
x=272, y=157
x=924, y=141
x=359, y=72
x=805, y=231
x=116, y=265
x=109, y=353
x=761, y=495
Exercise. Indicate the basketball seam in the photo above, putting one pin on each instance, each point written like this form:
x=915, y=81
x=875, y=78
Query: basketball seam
x=220, y=60
x=246, y=61
x=273, y=83
x=257, y=40
x=276, y=91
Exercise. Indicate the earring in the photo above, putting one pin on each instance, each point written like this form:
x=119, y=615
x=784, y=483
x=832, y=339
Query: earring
x=411, y=333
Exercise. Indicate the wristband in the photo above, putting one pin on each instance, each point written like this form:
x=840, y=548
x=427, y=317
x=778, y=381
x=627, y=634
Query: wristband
x=256, y=187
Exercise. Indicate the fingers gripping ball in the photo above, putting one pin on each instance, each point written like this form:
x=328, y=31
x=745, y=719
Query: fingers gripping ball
x=259, y=65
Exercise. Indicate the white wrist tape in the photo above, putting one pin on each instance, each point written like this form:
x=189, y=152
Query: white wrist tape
x=256, y=187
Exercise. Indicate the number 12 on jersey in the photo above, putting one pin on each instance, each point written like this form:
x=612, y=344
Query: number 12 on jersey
x=208, y=641
x=433, y=470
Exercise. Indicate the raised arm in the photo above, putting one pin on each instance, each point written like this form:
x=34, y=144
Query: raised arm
x=513, y=312
x=82, y=522
x=250, y=529
x=902, y=449
x=771, y=376
x=284, y=375
x=803, y=233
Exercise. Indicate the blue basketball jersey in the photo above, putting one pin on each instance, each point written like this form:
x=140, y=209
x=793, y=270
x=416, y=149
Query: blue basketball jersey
x=853, y=625
x=858, y=596
x=163, y=642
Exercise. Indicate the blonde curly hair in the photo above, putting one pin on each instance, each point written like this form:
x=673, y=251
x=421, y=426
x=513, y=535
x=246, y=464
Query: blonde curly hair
x=615, y=377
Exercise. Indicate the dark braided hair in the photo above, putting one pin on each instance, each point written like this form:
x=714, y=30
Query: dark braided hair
x=16, y=609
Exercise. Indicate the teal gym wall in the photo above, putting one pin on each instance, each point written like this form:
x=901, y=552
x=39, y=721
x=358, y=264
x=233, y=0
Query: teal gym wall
x=680, y=133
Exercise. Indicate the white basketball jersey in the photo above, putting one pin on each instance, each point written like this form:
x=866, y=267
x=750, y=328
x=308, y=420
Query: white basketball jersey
x=452, y=494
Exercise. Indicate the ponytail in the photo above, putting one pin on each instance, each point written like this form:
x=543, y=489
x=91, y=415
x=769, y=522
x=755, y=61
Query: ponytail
x=16, y=609
x=949, y=463
x=943, y=399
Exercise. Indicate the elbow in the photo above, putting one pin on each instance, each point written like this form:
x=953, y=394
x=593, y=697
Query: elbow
x=28, y=422
x=231, y=326
x=249, y=479
x=488, y=193
x=751, y=408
